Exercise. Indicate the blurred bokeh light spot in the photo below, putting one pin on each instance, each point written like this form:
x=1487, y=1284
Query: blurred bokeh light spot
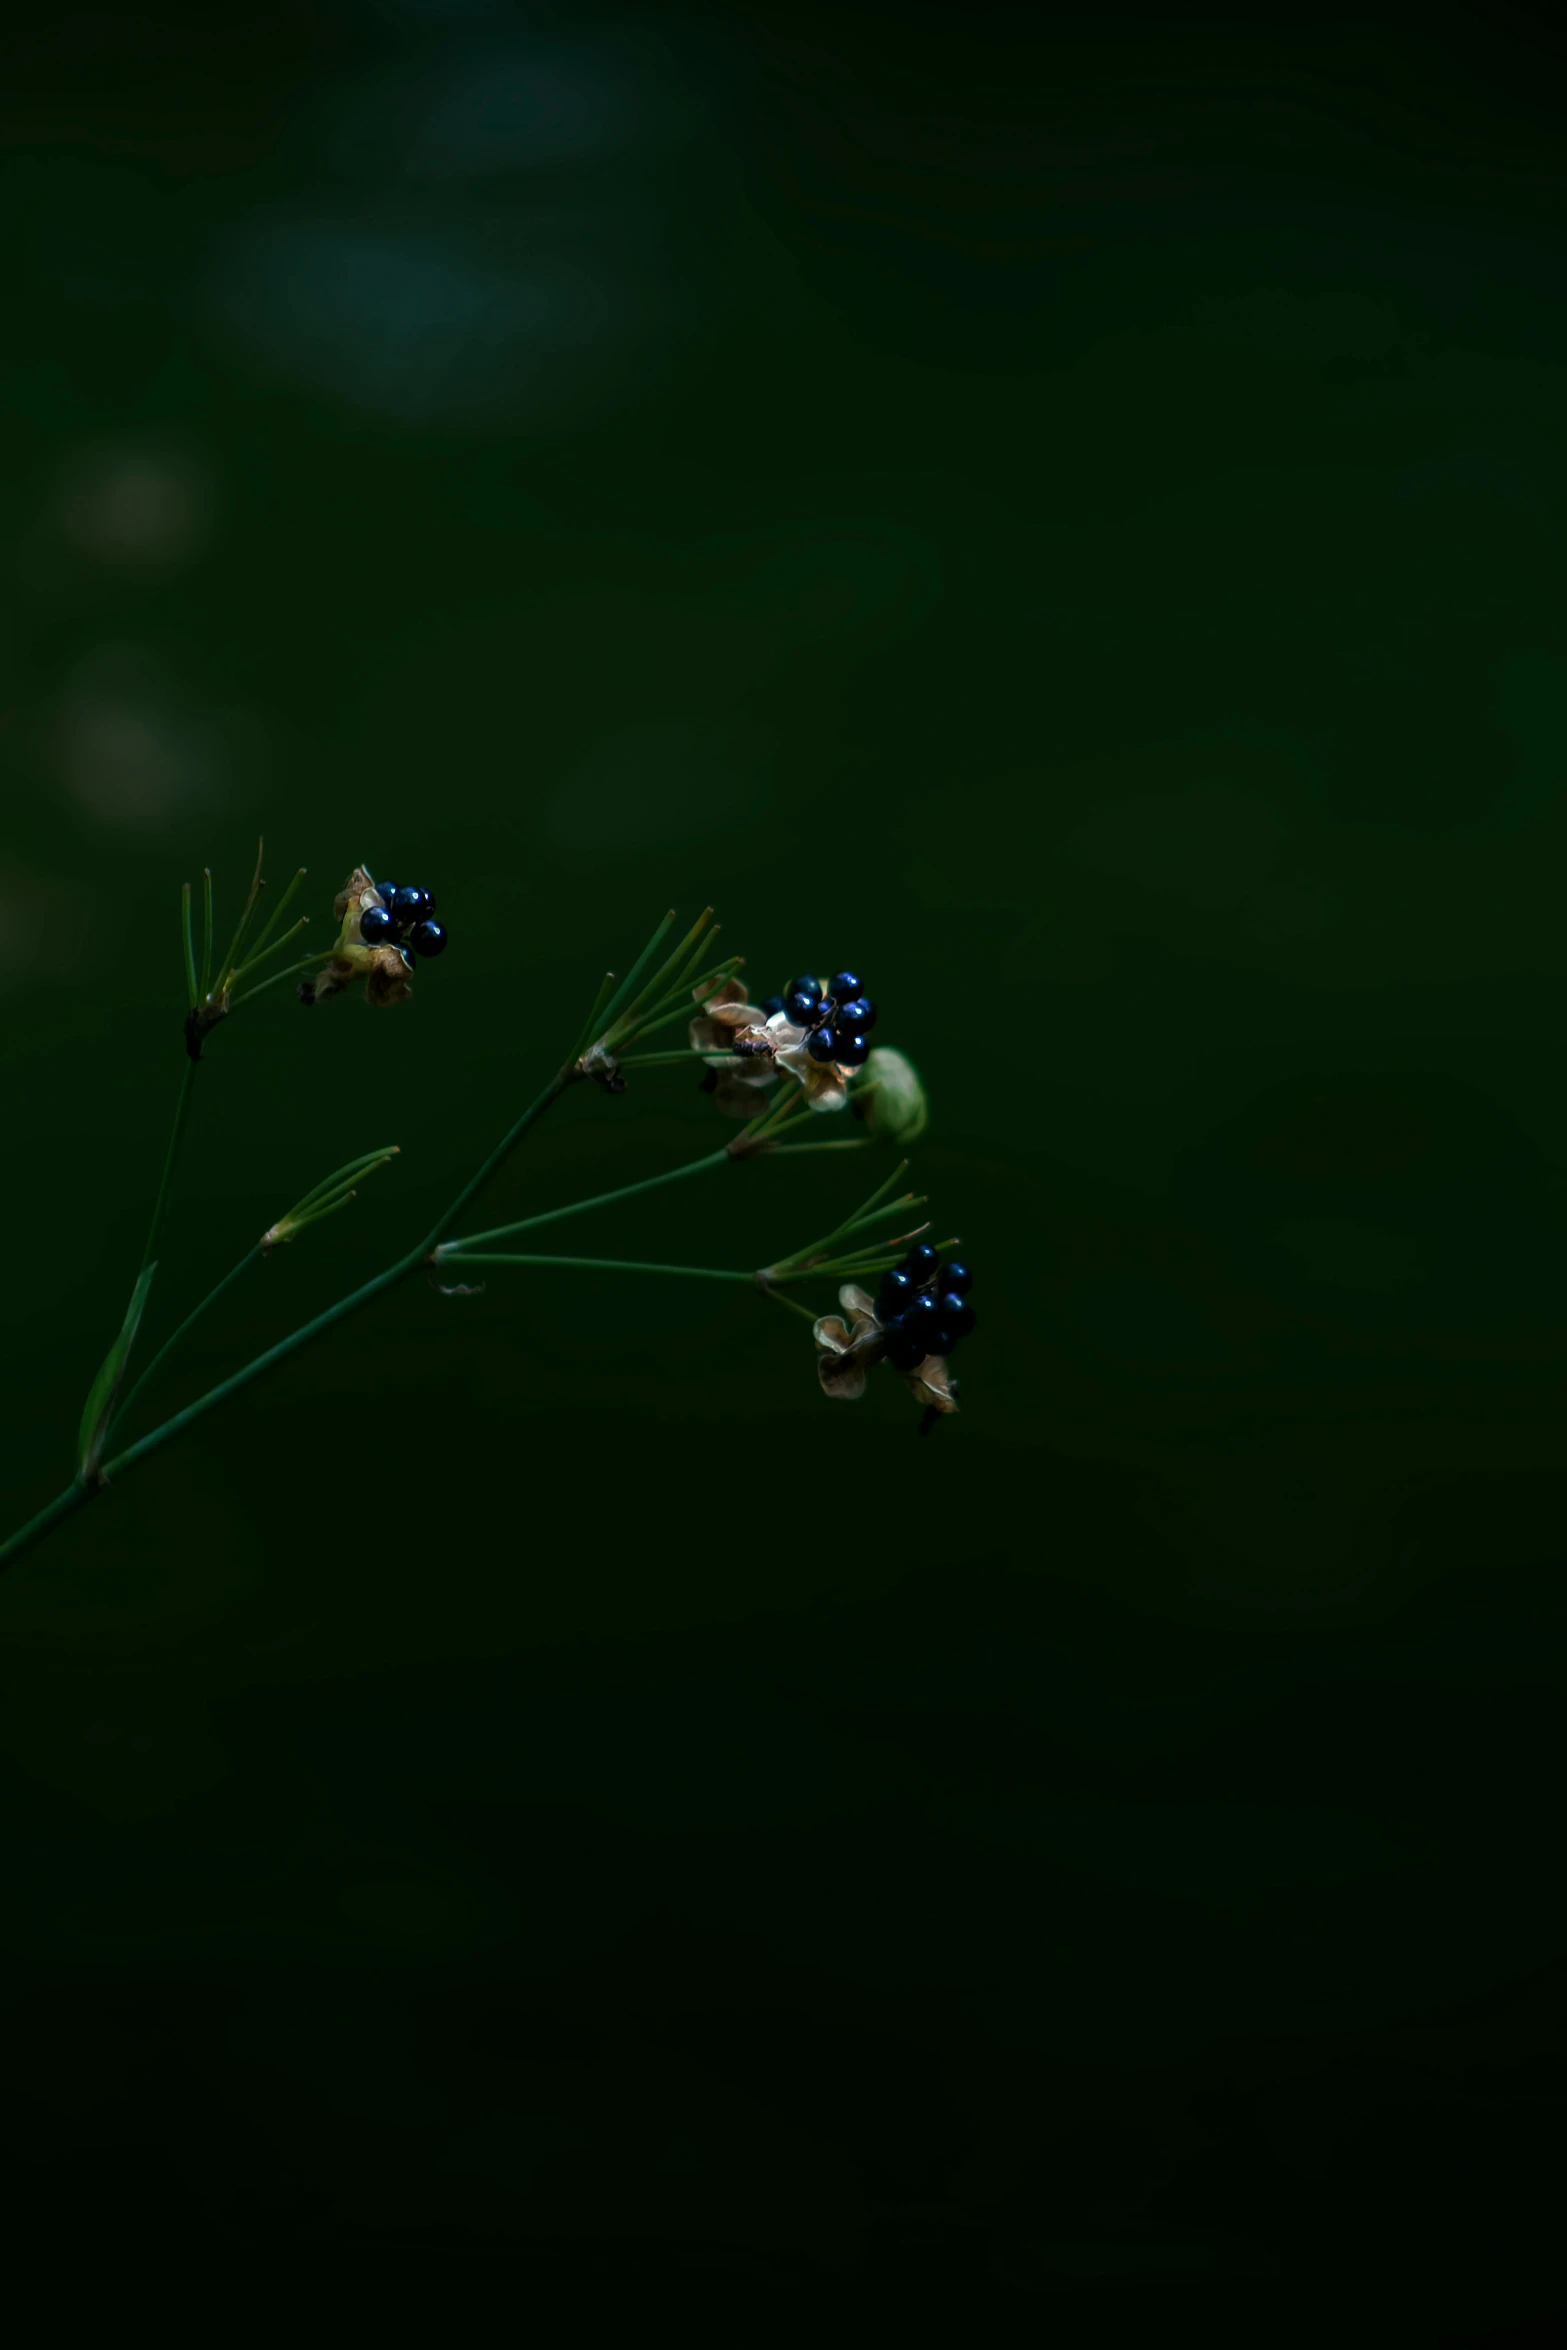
x=137, y=507
x=127, y=747
x=417, y=326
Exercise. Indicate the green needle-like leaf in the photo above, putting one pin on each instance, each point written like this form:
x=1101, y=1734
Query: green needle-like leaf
x=624, y=991
x=99, y=1407
x=227, y=966
x=190, y=952
x=591, y=1025
x=276, y=916
x=206, y=940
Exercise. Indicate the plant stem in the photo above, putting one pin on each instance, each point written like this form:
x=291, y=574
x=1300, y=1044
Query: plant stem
x=797, y=1150
x=262, y=1362
x=497, y=1158
x=578, y=1207
x=691, y=1058
x=61, y=1507
x=176, y=1137
x=602, y=1265
x=192, y=1317
x=792, y=1304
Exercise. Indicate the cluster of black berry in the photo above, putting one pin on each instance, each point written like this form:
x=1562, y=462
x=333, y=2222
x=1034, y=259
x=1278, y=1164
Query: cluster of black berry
x=838, y=1018
x=406, y=920
x=923, y=1307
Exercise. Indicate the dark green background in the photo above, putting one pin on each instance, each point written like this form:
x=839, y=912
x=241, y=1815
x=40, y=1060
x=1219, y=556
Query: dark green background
x=1071, y=521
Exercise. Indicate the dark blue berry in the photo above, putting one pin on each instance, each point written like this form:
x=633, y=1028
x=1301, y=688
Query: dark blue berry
x=922, y=1260
x=375, y=926
x=427, y=937
x=853, y=1051
x=922, y=1321
x=905, y=1347
x=387, y=890
x=802, y=1009
x=858, y=1013
x=897, y=1287
x=843, y=984
x=808, y=988
x=772, y=1004
x=956, y=1313
x=409, y=902
x=821, y=1044
x=956, y=1278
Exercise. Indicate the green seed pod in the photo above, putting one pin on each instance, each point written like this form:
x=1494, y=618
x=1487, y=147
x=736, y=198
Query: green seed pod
x=890, y=1097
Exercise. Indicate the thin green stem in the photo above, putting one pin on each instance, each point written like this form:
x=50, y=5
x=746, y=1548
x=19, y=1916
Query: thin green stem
x=792, y=1304
x=262, y=953
x=194, y=1316
x=190, y=952
x=590, y=1026
x=226, y=967
x=206, y=932
x=276, y=916
x=797, y=1150
x=578, y=1207
x=655, y=990
x=690, y=1057
x=50, y=1515
x=176, y=1137
x=305, y=963
x=599, y=1265
x=76, y=1493
x=623, y=993
x=686, y=1008
x=262, y=1362
x=497, y=1158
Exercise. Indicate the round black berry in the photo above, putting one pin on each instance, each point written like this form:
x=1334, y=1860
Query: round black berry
x=375, y=926
x=956, y=1313
x=905, y=1347
x=853, y=1051
x=821, y=1044
x=922, y=1260
x=409, y=902
x=427, y=937
x=956, y=1278
x=897, y=1287
x=772, y=1004
x=802, y=1009
x=922, y=1321
x=844, y=986
x=387, y=891
x=809, y=989
x=859, y=1013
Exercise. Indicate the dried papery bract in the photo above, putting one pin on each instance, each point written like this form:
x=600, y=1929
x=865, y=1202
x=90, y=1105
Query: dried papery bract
x=384, y=969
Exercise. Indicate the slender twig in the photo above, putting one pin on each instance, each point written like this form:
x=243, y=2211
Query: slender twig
x=623, y=993
x=194, y=1316
x=797, y=1150
x=598, y=1265
x=176, y=1137
x=590, y=1026
x=578, y=1207
x=497, y=1158
x=275, y=917
x=190, y=955
x=227, y=966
